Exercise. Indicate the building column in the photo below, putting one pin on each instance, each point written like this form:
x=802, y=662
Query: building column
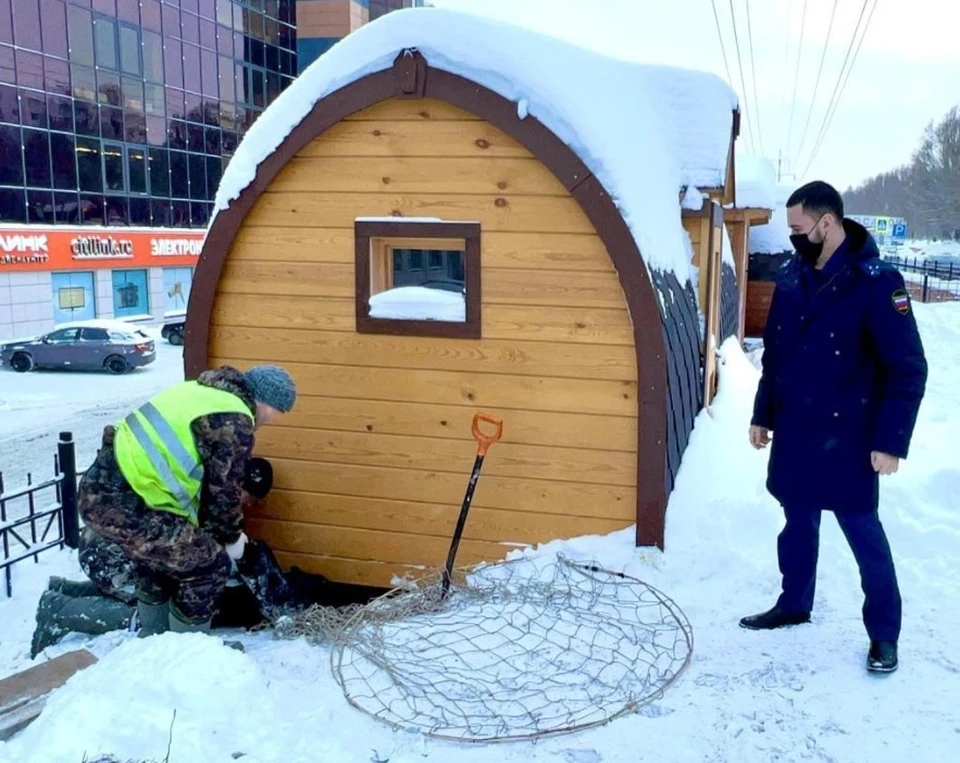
x=103, y=280
x=158, y=294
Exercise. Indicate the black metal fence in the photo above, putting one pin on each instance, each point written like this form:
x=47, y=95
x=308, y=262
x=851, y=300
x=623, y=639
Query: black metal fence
x=928, y=281
x=42, y=526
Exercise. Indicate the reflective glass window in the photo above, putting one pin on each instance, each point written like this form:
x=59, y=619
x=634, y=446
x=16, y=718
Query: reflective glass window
x=40, y=207
x=105, y=38
x=129, y=50
x=89, y=169
x=26, y=25
x=53, y=27
x=29, y=69
x=113, y=175
x=11, y=156
x=159, y=171
x=36, y=152
x=64, y=154
x=61, y=113
x=137, y=169
x=80, y=25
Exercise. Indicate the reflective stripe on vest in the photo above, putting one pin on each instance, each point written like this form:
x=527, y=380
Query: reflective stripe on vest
x=155, y=449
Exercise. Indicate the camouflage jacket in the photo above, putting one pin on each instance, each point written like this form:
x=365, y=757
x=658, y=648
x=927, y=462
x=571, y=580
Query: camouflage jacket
x=225, y=443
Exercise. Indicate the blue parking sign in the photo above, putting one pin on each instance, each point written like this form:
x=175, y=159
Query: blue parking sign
x=900, y=230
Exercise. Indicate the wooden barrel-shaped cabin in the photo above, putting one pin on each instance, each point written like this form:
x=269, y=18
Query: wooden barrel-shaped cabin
x=416, y=249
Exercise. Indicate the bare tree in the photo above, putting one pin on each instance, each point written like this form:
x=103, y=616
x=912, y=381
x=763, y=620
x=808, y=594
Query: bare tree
x=926, y=192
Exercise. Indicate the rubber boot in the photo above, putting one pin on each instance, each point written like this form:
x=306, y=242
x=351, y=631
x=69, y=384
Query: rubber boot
x=58, y=615
x=153, y=616
x=180, y=623
x=73, y=588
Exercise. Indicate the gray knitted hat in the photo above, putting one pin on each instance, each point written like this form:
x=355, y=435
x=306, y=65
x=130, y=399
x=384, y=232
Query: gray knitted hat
x=272, y=386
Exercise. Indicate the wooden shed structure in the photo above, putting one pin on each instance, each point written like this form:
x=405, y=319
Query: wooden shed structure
x=414, y=177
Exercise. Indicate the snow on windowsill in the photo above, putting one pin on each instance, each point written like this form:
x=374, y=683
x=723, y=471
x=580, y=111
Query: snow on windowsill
x=419, y=303
x=673, y=129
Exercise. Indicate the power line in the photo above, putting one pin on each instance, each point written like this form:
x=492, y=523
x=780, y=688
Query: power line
x=836, y=103
x=816, y=85
x=726, y=65
x=743, y=82
x=753, y=68
x=723, y=48
x=796, y=76
x=836, y=87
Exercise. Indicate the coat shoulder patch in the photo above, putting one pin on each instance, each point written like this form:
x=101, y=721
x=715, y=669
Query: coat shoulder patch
x=901, y=301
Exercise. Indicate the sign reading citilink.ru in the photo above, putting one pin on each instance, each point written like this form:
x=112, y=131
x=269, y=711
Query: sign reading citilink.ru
x=26, y=249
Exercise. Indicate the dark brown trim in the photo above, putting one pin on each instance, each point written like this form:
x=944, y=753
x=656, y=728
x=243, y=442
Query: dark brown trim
x=470, y=232
x=566, y=166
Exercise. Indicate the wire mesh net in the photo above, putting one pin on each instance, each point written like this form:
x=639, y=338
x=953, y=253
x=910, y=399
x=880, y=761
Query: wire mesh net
x=516, y=650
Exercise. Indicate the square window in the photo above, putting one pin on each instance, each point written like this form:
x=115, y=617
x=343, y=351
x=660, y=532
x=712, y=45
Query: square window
x=56, y=74
x=66, y=206
x=33, y=109
x=397, y=294
x=130, y=295
x=40, y=206
x=29, y=69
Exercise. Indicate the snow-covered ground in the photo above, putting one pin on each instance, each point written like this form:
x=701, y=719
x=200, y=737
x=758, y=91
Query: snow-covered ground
x=790, y=695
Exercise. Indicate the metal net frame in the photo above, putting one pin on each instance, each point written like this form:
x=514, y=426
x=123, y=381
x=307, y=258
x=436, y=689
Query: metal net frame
x=516, y=650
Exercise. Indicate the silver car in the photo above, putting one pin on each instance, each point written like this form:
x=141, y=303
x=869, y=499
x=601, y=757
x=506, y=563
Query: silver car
x=88, y=346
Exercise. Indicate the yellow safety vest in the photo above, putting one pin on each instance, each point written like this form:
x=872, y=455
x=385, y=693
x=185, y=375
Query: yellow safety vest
x=155, y=449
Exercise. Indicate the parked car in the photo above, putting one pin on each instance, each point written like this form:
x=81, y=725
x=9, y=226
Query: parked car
x=172, y=329
x=86, y=345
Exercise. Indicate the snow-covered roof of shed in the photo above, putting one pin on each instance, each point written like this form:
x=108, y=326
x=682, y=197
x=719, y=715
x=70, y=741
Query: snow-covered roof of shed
x=756, y=185
x=774, y=236
x=644, y=131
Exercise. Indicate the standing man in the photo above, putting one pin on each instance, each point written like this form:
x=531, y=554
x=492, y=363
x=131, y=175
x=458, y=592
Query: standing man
x=166, y=488
x=843, y=376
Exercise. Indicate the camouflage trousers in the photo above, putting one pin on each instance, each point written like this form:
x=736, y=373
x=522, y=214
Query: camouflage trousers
x=173, y=559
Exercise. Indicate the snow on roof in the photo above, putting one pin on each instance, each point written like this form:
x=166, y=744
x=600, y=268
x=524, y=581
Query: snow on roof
x=756, y=182
x=774, y=236
x=101, y=323
x=644, y=131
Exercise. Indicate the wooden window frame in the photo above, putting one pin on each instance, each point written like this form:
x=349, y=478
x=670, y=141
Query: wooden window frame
x=374, y=235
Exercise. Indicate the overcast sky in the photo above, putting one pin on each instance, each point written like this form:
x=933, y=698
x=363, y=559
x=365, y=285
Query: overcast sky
x=906, y=74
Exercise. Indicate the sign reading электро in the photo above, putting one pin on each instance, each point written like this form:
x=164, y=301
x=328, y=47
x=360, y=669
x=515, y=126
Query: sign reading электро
x=26, y=249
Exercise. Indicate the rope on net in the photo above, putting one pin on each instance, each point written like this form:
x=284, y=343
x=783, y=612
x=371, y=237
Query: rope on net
x=515, y=651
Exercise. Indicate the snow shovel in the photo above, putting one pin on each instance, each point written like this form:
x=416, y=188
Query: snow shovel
x=484, y=441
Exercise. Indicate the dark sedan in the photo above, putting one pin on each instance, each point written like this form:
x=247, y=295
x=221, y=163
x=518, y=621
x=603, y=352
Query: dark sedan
x=93, y=346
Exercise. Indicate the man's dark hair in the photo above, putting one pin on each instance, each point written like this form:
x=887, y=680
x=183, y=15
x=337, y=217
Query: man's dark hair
x=818, y=198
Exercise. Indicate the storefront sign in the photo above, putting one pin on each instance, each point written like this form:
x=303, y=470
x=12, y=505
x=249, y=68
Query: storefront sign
x=29, y=248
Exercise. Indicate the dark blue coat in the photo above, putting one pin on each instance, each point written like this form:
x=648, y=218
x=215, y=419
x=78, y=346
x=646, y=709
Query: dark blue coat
x=843, y=375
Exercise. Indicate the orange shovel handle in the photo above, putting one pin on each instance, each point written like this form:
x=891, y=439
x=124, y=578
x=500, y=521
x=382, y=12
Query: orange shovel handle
x=484, y=441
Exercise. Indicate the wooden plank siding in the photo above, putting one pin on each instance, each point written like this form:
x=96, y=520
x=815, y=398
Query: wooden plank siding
x=371, y=466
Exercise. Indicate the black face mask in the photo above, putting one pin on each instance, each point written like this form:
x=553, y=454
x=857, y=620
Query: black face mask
x=809, y=250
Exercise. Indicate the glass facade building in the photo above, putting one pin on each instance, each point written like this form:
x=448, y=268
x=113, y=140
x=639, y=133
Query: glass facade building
x=126, y=112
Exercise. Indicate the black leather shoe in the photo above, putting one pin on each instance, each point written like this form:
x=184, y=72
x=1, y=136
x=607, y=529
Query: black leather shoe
x=774, y=618
x=882, y=657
